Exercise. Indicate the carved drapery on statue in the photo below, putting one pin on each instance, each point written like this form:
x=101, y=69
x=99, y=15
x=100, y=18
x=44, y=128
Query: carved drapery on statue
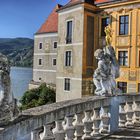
x=8, y=107
x=108, y=68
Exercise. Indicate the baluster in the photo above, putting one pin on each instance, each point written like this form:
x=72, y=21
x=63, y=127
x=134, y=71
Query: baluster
x=88, y=123
x=96, y=122
x=122, y=116
x=47, y=133
x=136, y=119
x=129, y=115
x=58, y=131
x=1, y=134
x=105, y=120
x=35, y=135
x=69, y=128
x=79, y=126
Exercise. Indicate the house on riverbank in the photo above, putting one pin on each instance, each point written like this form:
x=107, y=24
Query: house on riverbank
x=65, y=45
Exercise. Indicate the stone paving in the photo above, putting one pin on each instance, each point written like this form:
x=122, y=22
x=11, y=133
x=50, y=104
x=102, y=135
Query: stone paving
x=125, y=134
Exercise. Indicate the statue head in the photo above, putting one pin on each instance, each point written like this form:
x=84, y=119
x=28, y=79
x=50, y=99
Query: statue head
x=99, y=54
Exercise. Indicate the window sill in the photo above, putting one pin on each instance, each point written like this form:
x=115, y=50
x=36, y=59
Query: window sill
x=123, y=35
x=124, y=66
x=68, y=43
x=68, y=67
x=67, y=91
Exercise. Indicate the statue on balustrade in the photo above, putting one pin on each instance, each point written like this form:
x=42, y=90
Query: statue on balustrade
x=108, y=68
x=8, y=107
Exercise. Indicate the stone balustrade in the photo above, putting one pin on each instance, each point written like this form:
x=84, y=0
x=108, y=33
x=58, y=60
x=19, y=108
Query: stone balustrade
x=81, y=119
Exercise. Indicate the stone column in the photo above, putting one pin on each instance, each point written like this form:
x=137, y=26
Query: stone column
x=129, y=115
x=58, y=131
x=122, y=116
x=69, y=128
x=79, y=126
x=88, y=123
x=47, y=133
x=105, y=120
x=96, y=122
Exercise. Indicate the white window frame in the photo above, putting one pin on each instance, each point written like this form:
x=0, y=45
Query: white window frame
x=39, y=45
x=64, y=84
x=53, y=60
x=72, y=30
x=123, y=50
x=53, y=45
x=41, y=61
x=65, y=58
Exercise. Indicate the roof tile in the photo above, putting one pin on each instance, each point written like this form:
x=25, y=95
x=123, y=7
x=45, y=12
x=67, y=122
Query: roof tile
x=51, y=24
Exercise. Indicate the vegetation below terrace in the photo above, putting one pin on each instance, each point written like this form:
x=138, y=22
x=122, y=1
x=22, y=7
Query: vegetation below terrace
x=18, y=50
x=37, y=97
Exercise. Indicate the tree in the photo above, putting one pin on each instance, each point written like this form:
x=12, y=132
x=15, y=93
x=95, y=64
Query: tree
x=37, y=97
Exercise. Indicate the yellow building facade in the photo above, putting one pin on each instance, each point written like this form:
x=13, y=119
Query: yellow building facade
x=125, y=22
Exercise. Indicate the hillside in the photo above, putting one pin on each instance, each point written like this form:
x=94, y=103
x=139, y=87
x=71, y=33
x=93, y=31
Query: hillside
x=18, y=50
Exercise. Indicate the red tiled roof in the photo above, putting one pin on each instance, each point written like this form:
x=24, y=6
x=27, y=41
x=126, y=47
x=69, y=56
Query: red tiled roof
x=97, y=1
x=51, y=24
x=100, y=1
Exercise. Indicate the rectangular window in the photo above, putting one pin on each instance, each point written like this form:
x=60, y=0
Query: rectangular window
x=68, y=58
x=55, y=45
x=138, y=87
x=67, y=84
x=69, y=32
x=123, y=58
x=40, y=62
x=139, y=59
x=40, y=45
x=122, y=86
x=54, y=62
x=105, y=22
x=124, y=25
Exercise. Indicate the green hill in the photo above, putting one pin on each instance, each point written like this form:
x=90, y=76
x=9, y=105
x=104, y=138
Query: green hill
x=18, y=50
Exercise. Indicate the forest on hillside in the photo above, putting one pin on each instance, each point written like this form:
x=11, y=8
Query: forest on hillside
x=18, y=50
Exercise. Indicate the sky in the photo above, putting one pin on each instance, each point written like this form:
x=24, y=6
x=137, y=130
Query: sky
x=22, y=18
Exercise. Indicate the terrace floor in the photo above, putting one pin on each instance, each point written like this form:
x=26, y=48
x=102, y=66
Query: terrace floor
x=125, y=134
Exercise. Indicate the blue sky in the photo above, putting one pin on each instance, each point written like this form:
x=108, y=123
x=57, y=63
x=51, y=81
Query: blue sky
x=22, y=18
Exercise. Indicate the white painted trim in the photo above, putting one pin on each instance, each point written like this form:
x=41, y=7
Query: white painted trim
x=52, y=62
x=73, y=44
x=70, y=11
x=46, y=35
x=72, y=78
x=65, y=58
x=53, y=45
x=66, y=24
x=68, y=91
x=41, y=62
x=40, y=54
x=44, y=70
x=39, y=46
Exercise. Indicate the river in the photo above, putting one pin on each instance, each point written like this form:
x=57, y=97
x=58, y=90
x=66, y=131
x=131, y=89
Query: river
x=20, y=78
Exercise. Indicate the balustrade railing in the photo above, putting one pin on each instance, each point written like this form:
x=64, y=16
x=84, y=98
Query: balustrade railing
x=81, y=119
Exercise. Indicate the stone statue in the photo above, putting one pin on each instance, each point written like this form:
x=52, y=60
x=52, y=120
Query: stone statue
x=109, y=33
x=108, y=68
x=8, y=107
